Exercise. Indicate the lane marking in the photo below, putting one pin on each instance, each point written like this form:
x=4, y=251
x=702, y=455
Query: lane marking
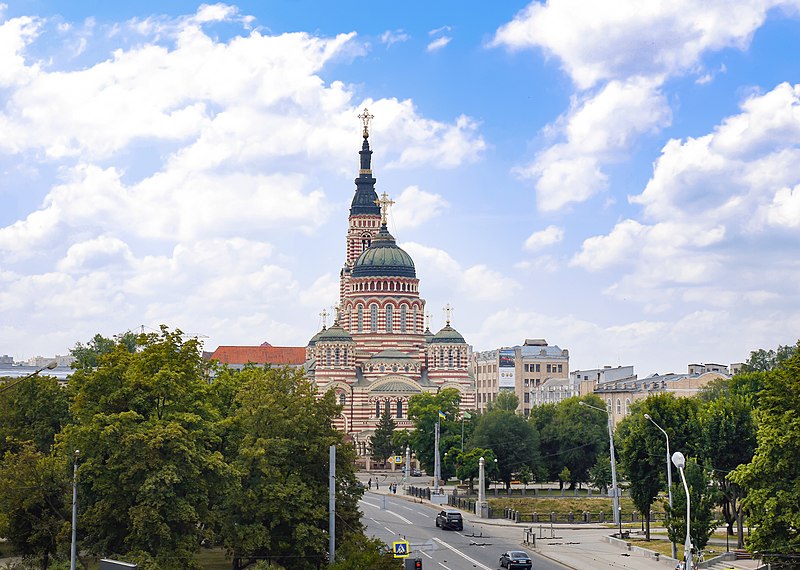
x=401, y=517
x=443, y=566
x=390, y=530
x=472, y=560
x=426, y=554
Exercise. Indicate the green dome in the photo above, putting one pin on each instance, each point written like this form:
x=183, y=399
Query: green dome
x=335, y=334
x=448, y=335
x=315, y=338
x=383, y=258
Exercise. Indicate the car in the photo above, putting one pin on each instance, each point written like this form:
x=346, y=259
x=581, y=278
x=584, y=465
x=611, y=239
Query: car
x=416, y=473
x=514, y=559
x=450, y=518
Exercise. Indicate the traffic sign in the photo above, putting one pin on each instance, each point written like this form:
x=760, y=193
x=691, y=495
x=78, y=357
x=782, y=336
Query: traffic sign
x=398, y=459
x=401, y=549
x=391, y=459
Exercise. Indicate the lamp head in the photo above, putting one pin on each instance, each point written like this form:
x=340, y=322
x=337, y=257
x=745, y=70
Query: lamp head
x=52, y=364
x=678, y=460
x=648, y=416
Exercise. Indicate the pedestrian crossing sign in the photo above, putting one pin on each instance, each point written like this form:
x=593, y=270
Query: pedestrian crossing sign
x=401, y=549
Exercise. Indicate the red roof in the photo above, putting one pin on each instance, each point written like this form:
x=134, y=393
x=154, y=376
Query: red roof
x=278, y=355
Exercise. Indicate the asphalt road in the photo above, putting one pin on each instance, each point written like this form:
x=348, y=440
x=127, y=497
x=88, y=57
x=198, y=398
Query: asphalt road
x=390, y=519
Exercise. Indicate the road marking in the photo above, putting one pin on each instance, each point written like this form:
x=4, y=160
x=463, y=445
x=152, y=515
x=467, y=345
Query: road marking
x=401, y=517
x=473, y=561
x=443, y=566
x=390, y=530
x=426, y=554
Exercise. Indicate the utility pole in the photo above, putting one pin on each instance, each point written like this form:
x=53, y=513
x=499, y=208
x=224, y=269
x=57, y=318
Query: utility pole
x=331, y=504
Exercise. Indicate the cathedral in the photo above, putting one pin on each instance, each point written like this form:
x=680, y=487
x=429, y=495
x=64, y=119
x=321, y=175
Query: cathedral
x=379, y=352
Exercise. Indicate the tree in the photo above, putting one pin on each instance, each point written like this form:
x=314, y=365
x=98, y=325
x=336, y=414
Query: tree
x=543, y=420
x=88, y=355
x=582, y=436
x=32, y=411
x=381, y=444
x=357, y=552
x=33, y=489
x=766, y=360
x=728, y=440
x=600, y=473
x=642, y=447
x=703, y=499
x=514, y=441
x=148, y=466
x=506, y=401
x=277, y=505
x=423, y=411
x=772, y=478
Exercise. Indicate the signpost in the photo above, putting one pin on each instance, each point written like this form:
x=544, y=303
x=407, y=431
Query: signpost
x=401, y=549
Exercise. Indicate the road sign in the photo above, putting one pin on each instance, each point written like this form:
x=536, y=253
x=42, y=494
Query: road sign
x=396, y=459
x=390, y=460
x=401, y=549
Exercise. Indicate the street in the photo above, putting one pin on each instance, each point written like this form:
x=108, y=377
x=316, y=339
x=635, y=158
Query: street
x=391, y=518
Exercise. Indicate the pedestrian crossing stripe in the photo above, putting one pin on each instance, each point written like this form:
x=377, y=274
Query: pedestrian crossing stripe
x=401, y=549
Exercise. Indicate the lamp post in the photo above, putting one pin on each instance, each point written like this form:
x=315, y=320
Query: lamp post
x=49, y=366
x=614, y=490
x=680, y=462
x=669, y=476
x=74, y=548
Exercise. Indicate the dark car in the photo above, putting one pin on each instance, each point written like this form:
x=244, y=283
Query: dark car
x=450, y=518
x=416, y=473
x=515, y=559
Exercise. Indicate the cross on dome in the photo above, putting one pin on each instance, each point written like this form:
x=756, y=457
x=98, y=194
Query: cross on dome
x=384, y=202
x=324, y=316
x=448, y=312
x=365, y=119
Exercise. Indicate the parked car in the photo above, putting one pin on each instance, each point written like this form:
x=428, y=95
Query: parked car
x=416, y=473
x=514, y=559
x=450, y=518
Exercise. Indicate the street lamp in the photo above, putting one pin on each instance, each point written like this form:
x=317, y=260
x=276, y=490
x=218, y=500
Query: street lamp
x=49, y=366
x=74, y=549
x=680, y=462
x=614, y=490
x=669, y=476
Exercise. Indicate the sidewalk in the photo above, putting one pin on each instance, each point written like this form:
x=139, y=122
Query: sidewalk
x=579, y=547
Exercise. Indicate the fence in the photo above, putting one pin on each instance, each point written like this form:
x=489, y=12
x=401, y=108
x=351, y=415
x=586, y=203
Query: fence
x=574, y=518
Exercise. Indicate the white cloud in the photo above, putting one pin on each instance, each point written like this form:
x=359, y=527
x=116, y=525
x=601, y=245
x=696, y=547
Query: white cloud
x=415, y=207
x=785, y=208
x=438, y=43
x=390, y=37
x=543, y=238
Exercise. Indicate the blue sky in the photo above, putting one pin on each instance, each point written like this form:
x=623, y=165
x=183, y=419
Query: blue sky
x=616, y=177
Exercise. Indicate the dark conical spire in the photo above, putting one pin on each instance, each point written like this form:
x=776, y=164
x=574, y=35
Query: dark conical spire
x=364, y=201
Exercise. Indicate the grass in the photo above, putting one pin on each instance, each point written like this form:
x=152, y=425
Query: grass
x=561, y=505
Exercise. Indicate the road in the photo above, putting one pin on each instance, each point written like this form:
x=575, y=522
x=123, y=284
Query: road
x=391, y=518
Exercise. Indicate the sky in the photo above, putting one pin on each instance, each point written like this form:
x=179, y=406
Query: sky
x=617, y=177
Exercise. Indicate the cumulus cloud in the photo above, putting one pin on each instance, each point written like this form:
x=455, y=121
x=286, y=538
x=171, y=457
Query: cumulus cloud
x=543, y=238
x=415, y=207
x=162, y=165
x=619, y=59
x=721, y=215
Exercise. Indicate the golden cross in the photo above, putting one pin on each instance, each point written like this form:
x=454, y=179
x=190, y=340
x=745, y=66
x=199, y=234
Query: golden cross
x=366, y=118
x=384, y=203
x=448, y=310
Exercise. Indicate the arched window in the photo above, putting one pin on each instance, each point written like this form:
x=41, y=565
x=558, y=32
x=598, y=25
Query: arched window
x=450, y=357
x=342, y=399
x=389, y=318
x=399, y=409
x=627, y=405
x=414, y=324
x=608, y=404
x=373, y=318
x=328, y=356
x=403, y=315
x=336, y=357
x=360, y=318
x=388, y=408
x=345, y=356
x=377, y=409
x=619, y=406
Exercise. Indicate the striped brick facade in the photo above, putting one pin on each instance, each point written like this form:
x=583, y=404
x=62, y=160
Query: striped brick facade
x=378, y=353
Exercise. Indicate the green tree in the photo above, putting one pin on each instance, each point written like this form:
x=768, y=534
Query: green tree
x=728, y=440
x=148, y=465
x=600, y=473
x=33, y=489
x=582, y=436
x=381, y=444
x=357, y=552
x=766, y=360
x=772, y=478
x=703, y=500
x=543, y=420
x=33, y=411
x=514, y=441
x=88, y=355
x=505, y=401
x=642, y=447
x=277, y=506
x=423, y=410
